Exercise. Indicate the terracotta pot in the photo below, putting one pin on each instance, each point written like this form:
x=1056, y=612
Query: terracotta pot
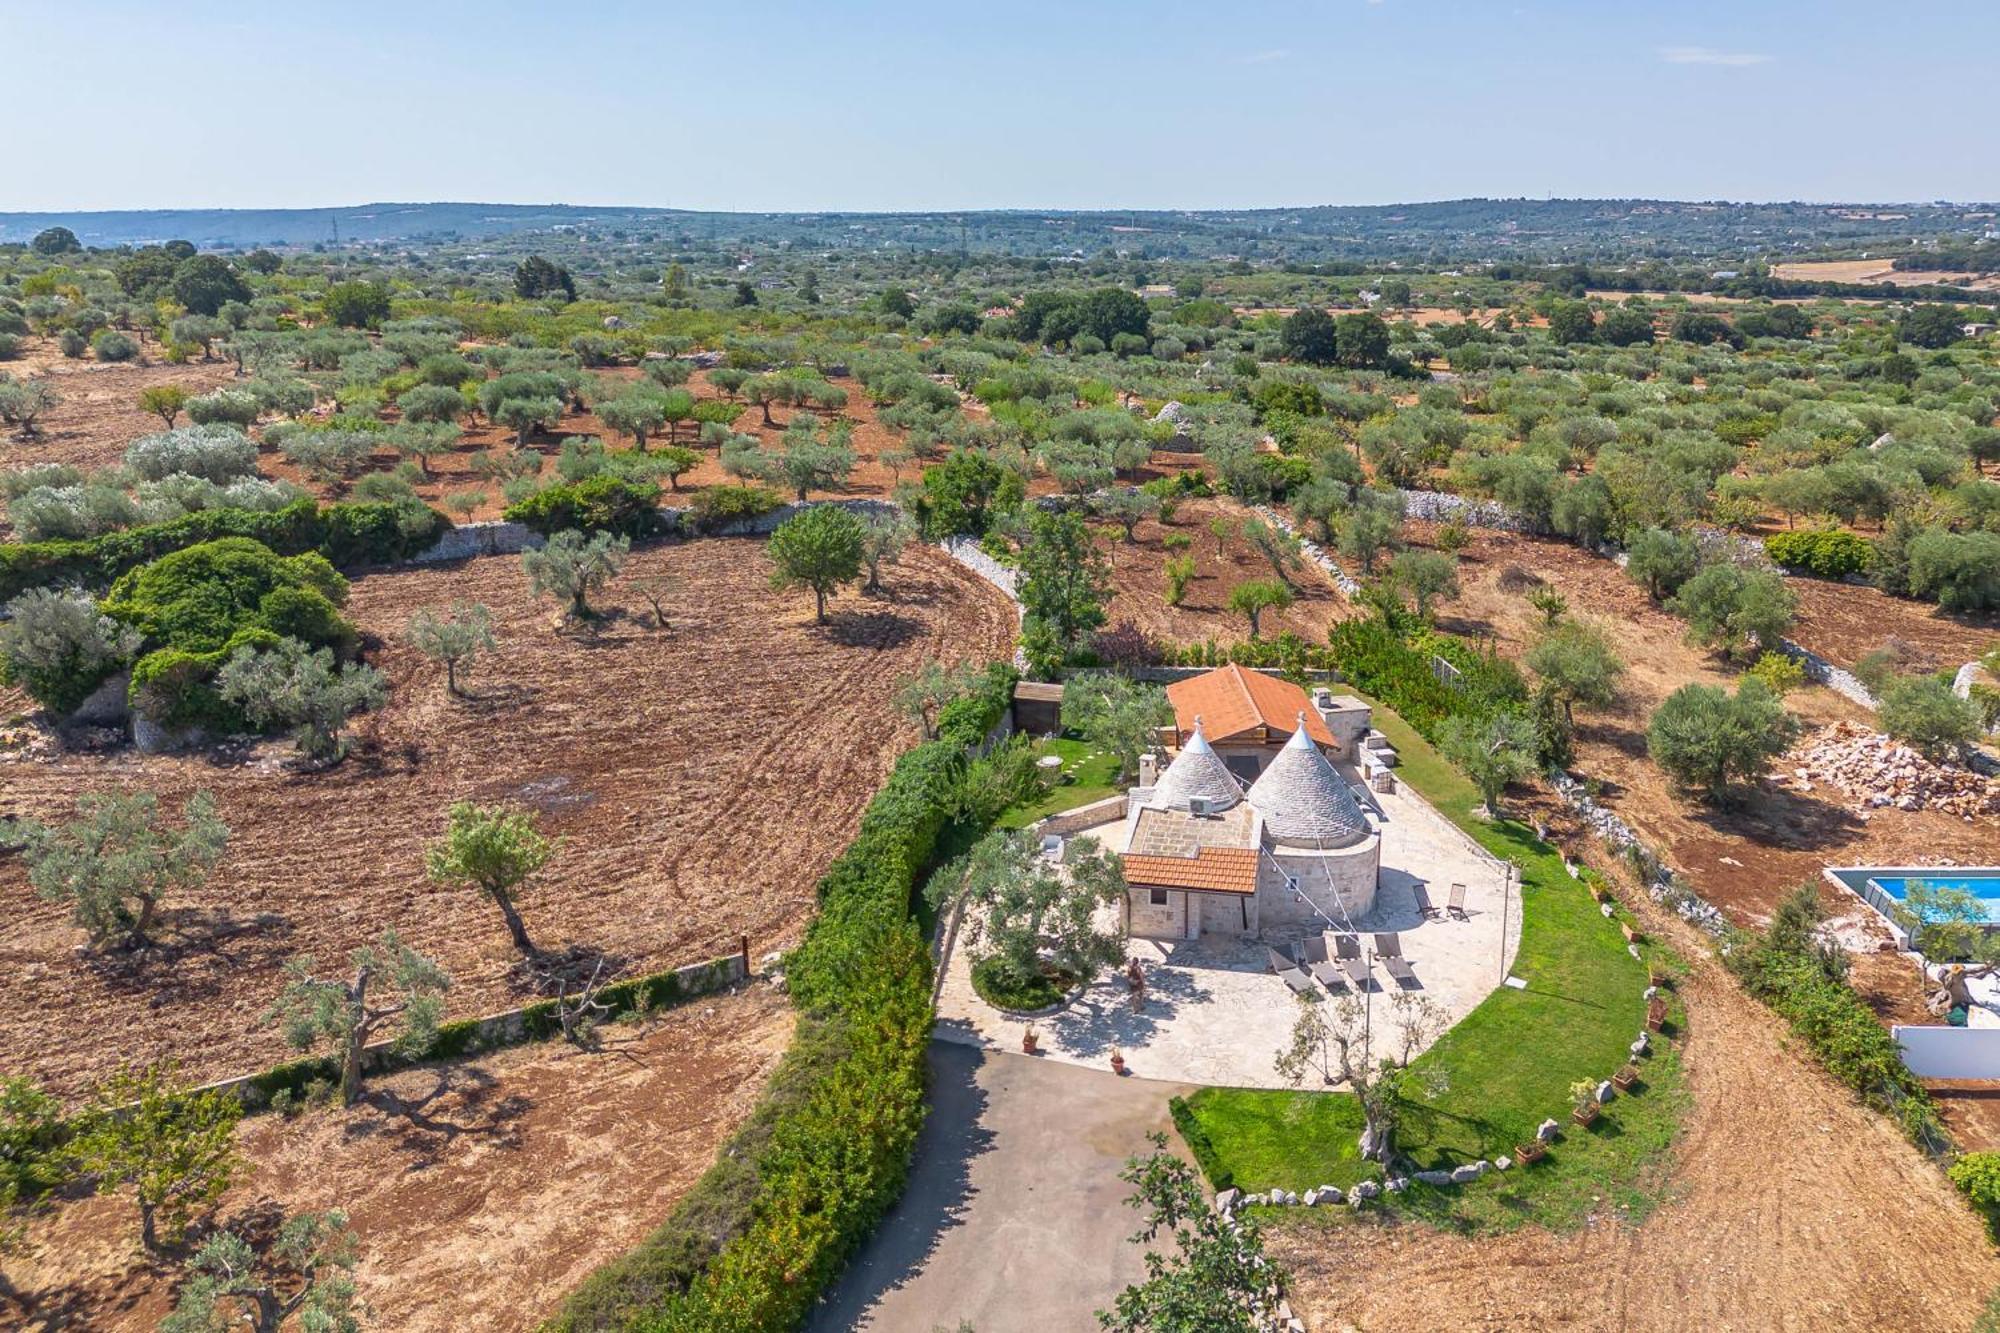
x=1583, y=1115
x=1530, y=1152
x=1117, y=1064
x=1625, y=1078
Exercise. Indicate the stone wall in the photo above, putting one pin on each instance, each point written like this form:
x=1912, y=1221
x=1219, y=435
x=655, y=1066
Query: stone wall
x=1084, y=816
x=471, y=539
x=1662, y=884
x=1349, y=585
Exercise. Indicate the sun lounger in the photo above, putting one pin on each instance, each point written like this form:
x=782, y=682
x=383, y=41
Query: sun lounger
x=1424, y=903
x=1456, y=906
x=1347, y=952
x=1313, y=957
x=1289, y=973
x=1389, y=952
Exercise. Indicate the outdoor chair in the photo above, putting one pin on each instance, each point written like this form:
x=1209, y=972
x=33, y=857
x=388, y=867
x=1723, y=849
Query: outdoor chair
x=1313, y=957
x=1347, y=952
x=1289, y=973
x=1424, y=904
x=1456, y=906
x=1389, y=952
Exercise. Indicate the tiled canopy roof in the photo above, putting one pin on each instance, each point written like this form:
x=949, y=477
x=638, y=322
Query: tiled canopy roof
x=1214, y=869
x=1231, y=702
x=1197, y=772
x=1304, y=801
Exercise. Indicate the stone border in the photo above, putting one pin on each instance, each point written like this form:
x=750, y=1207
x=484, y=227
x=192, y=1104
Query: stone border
x=1348, y=585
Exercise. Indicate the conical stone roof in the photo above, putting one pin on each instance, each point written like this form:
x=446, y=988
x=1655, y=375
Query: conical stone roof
x=1303, y=799
x=1197, y=772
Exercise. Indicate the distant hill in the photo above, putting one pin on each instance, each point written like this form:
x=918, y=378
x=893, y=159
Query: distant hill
x=1554, y=229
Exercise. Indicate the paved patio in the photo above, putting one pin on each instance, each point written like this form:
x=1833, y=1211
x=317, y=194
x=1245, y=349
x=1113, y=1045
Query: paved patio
x=1214, y=1014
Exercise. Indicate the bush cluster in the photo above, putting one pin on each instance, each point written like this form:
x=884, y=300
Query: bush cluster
x=716, y=507
x=1395, y=667
x=1830, y=553
x=346, y=534
x=811, y=1174
x=596, y=504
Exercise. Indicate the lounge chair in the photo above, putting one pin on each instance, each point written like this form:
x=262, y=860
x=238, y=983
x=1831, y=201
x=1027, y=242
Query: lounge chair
x=1456, y=906
x=1347, y=952
x=1289, y=973
x=1424, y=903
x=1389, y=952
x=1313, y=957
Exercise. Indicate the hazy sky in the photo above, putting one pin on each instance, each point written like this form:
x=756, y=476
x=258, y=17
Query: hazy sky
x=733, y=104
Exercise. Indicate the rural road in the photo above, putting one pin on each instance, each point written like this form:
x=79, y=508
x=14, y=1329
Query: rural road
x=1014, y=1218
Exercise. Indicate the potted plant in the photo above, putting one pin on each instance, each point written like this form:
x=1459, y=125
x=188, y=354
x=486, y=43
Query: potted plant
x=1625, y=1078
x=1030, y=1039
x=1583, y=1101
x=1532, y=1151
x=1656, y=975
x=1117, y=1061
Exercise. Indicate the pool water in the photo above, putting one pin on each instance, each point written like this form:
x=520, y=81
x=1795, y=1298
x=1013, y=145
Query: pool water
x=1986, y=888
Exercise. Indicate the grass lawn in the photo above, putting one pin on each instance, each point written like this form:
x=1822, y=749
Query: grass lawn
x=1509, y=1063
x=1088, y=774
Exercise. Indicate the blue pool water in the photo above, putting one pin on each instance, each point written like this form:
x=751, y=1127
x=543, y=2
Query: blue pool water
x=1986, y=888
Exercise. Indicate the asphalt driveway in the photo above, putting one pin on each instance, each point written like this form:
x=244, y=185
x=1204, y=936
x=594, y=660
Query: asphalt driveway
x=1014, y=1219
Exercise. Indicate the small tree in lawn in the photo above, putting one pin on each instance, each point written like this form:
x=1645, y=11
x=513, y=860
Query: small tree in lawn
x=1337, y=1041
x=1028, y=920
x=572, y=564
x=454, y=639
x=1253, y=598
x=1212, y=1278
x=391, y=981
x=821, y=549
x=301, y=687
x=166, y=401
x=307, y=1270
x=1492, y=751
x=1117, y=714
x=174, y=1147
x=115, y=861
x=883, y=537
x=921, y=697
x=495, y=850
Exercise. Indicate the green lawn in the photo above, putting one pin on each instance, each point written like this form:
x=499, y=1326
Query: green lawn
x=1509, y=1063
x=1088, y=774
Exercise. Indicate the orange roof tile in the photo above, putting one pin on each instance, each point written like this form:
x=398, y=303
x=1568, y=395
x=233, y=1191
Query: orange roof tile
x=1216, y=869
x=1233, y=703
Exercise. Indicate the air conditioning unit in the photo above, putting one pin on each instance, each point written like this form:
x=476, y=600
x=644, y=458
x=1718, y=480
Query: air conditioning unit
x=1200, y=807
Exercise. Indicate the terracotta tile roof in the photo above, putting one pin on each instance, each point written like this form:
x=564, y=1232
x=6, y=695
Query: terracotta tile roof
x=1234, y=704
x=1215, y=869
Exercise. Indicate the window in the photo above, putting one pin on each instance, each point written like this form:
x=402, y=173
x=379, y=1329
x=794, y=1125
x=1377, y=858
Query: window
x=1159, y=897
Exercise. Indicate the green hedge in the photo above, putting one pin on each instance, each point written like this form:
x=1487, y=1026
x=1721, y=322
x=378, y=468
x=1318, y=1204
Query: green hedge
x=1829, y=552
x=1395, y=667
x=596, y=504
x=716, y=507
x=1219, y=1176
x=809, y=1177
x=346, y=534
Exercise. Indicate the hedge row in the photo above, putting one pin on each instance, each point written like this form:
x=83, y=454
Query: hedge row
x=346, y=534
x=1382, y=661
x=826, y=1153
x=596, y=504
x=1829, y=553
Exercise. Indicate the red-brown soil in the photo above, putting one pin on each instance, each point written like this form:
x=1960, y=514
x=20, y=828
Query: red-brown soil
x=700, y=778
x=479, y=1194
x=1790, y=1206
x=1139, y=581
x=1843, y=622
x=1743, y=859
x=99, y=413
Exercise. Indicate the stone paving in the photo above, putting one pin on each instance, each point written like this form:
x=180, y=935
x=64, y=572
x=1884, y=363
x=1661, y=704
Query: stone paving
x=1214, y=1014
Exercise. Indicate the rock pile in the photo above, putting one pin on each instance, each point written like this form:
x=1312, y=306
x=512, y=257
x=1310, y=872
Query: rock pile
x=1879, y=772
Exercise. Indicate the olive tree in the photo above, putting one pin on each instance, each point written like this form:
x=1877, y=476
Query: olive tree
x=1117, y=714
x=1343, y=1044
x=348, y=1014
x=1423, y=576
x=1735, y=611
x=921, y=697
x=1492, y=751
x=59, y=647
x=115, y=861
x=637, y=414
x=1704, y=738
x=166, y=401
x=572, y=564
x=1028, y=921
x=821, y=549
x=24, y=402
x=298, y=686
x=173, y=1146
x=1923, y=711
x=454, y=638
x=1253, y=597
x=495, y=850
x=306, y=1270
x=883, y=537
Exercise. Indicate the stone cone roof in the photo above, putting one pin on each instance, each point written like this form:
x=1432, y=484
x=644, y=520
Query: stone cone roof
x=1197, y=771
x=1304, y=801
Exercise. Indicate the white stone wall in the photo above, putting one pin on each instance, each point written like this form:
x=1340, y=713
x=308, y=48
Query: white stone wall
x=1339, y=884
x=1149, y=920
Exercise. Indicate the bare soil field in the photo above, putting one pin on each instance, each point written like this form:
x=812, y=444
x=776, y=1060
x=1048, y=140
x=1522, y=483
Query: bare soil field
x=1844, y=622
x=701, y=779
x=1744, y=859
x=1790, y=1206
x=1139, y=582
x=479, y=1194
x=1879, y=271
x=99, y=413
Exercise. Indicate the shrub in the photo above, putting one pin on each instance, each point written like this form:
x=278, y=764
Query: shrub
x=111, y=345
x=718, y=507
x=59, y=647
x=596, y=504
x=1923, y=711
x=1830, y=553
x=1705, y=738
x=212, y=452
x=1960, y=570
x=238, y=407
x=1977, y=1175
x=1780, y=674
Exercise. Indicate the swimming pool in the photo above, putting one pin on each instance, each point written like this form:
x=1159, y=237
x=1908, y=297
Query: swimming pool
x=1887, y=887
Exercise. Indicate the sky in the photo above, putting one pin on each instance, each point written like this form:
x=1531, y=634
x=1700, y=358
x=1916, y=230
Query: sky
x=742, y=105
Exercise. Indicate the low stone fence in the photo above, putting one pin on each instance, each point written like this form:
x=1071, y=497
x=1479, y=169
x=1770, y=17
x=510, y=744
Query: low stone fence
x=1444, y=507
x=1662, y=884
x=1084, y=816
x=1349, y=585
x=1822, y=672
x=471, y=539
